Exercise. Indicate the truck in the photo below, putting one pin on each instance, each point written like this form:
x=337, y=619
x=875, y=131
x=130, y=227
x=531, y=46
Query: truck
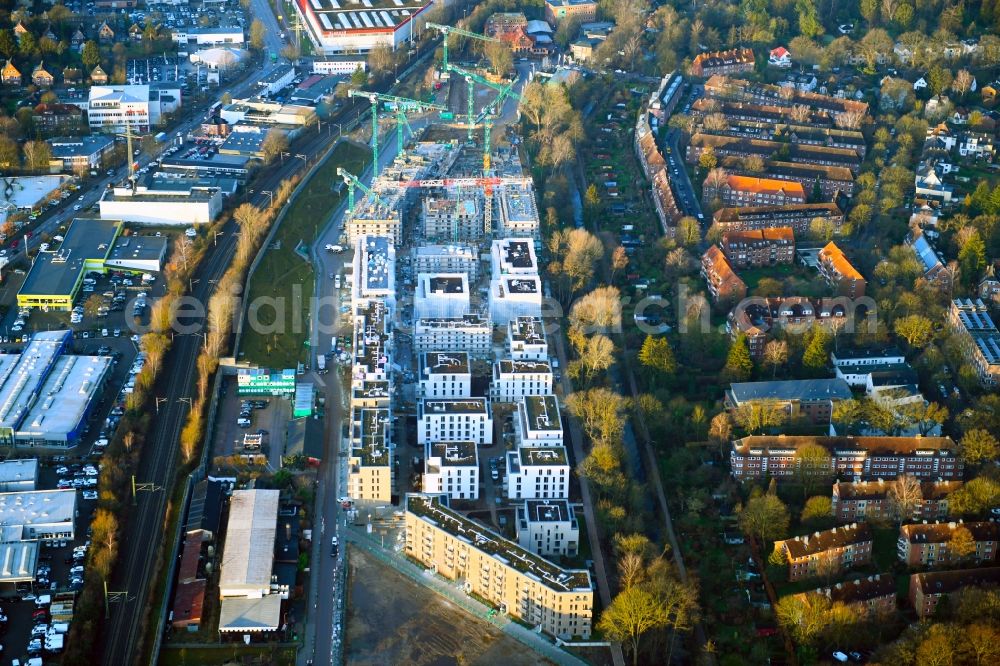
x=321, y=364
x=160, y=137
x=61, y=611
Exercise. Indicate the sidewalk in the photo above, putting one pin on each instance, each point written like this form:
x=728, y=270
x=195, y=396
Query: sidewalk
x=453, y=593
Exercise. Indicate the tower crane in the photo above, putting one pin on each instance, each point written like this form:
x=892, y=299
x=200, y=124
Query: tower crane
x=402, y=106
x=487, y=118
x=448, y=29
x=352, y=182
x=471, y=79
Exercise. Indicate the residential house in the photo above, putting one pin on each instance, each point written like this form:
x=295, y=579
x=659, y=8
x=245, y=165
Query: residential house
x=920, y=84
x=749, y=191
x=929, y=185
x=723, y=283
x=875, y=356
x=780, y=57
x=734, y=146
x=839, y=273
x=811, y=399
x=797, y=216
x=72, y=76
x=929, y=544
x=940, y=136
x=78, y=39
x=873, y=596
x=929, y=587
x=869, y=500
x=98, y=76
x=105, y=34
x=764, y=247
x=10, y=76
x=978, y=145
x=20, y=31
x=935, y=270
x=135, y=32
x=960, y=116
x=764, y=93
x=926, y=458
x=826, y=553
x=49, y=34
x=989, y=286
x=57, y=117
x=732, y=61
x=41, y=76
x=979, y=338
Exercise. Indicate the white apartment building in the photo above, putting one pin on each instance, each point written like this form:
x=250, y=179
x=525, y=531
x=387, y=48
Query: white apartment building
x=526, y=339
x=539, y=422
x=452, y=468
x=452, y=219
x=537, y=473
x=142, y=107
x=512, y=297
x=518, y=211
x=513, y=380
x=513, y=257
x=445, y=375
x=548, y=528
x=371, y=360
x=470, y=333
x=454, y=420
x=455, y=258
x=441, y=295
x=374, y=271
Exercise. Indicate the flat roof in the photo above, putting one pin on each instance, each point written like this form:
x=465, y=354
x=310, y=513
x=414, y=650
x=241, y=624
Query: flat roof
x=14, y=472
x=465, y=321
x=57, y=273
x=249, y=549
x=548, y=511
x=21, y=510
x=541, y=456
x=527, y=330
x=65, y=397
x=437, y=406
x=18, y=561
x=515, y=254
x=431, y=510
x=453, y=454
x=793, y=389
x=371, y=443
x=83, y=146
x=21, y=376
x=542, y=413
x=444, y=363
x=445, y=284
x=248, y=615
x=523, y=285
x=507, y=366
x=463, y=251
x=138, y=248
x=378, y=262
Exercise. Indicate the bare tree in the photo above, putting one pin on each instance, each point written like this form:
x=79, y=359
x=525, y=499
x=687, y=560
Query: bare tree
x=714, y=182
x=904, y=496
x=715, y=122
x=800, y=113
x=600, y=309
x=775, y=354
x=850, y=119
x=963, y=81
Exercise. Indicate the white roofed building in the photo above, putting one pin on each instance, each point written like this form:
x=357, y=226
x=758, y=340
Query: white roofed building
x=374, y=271
x=539, y=422
x=454, y=420
x=441, y=295
x=548, y=528
x=537, y=473
x=248, y=553
x=445, y=375
x=358, y=26
x=526, y=339
x=452, y=468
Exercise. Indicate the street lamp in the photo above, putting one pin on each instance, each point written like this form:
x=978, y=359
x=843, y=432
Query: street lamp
x=270, y=195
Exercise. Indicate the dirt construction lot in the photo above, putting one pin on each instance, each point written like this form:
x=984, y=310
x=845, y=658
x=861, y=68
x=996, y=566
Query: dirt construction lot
x=392, y=620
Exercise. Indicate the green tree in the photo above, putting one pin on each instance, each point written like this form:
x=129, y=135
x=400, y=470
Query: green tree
x=358, y=77
x=8, y=45
x=975, y=497
x=916, y=329
x=817, y=351
x=809, y=23
x=812, y=466
x=739, y=365
x=27, y=45
x=817, y=512
x=688, y=231
x=91, y=54
x=765, y=518
x=275, y=142
x=10, y=154
x=592, y=198
x=657, y=354
x=939, y=79
x=707, y=160
x=978, y=446
x=257, y=34
x=972, y=257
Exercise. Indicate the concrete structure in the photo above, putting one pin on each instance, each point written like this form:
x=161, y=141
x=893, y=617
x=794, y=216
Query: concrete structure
x=513, y=257
x=162, y=201
x=374, y=272
x=515, y=296
x=18, y=562
x=764, y=247
x=839, y=273
x=76, y=154
x=518, y=211
x=454, y=420
x=469, y=333
x=548, y=528
x=928, y=588
x=274, y=81
x=445, y=375
x=724, y=285
x=929, y=544
x=18, y=475
x=337, y=26
x=207, y=36
x=539, y=421
x=526, y=339
x=451, y=219
x=540, y=472
x=135, y=252
x=828, y=552
x=441, y=295
x=375, y=218
x=446, y=259
x=979, y=338
x=869, y=500
x=343, y=65
x=37, y=515
x=850, y=457
x=141, y=107
x=452, y=469
x=514, y=379
x=557, y=601
x=261, y=381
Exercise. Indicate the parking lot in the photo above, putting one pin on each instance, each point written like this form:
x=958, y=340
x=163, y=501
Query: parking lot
x=269, y=420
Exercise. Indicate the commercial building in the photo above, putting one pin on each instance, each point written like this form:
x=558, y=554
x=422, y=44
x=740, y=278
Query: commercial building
x=518, y=211
x=452, y=219
x=445, y=375
x=540, y=472
x=454, y=420
x=826, y=553
x=267, y=114
x=48, y=395
x=797, y=216
x=724, y=285
x=929, y=544
x=539, y=422
x=732, y=61
x=18, y=562
x=136, y=252
x=559, y=10
x=928, y=588
x=979, y=338
x=441, y=295
x=548, y=528
x=869, y=500
x=763, y=247
x=839, y=273
x=207, y=36
x=452, y=469
x=446, y=259
x=469, y=333
x=261, y=381
x=162, y=201
x=374, y=271
x=748, y=191
x=338, y=26
x=344, y=65
x=37, y=515
x=140, y=107
x=18, y=474
x=275, y=80
x=874, y=596
x=76, y=154
x=850, y=457
x=526, y=339
x=557, y=601
x=514, y=379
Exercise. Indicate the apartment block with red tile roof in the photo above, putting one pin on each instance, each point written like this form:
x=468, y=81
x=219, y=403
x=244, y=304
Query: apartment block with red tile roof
x=928, y=588
x=732, y=61
x=929, y=544
x=797, y=216
x=758, y=317
x=723, y=283
x=869, y=500
x=828, y=552
x=838, y=271
x=749, y=191
x=761, y=247
x=874, y=595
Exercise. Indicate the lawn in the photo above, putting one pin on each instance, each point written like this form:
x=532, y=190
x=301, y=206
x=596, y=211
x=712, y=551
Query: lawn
x=234, y=653
x=285, y=274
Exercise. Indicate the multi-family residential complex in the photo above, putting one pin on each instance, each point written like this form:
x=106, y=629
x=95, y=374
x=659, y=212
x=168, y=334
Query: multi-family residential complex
x=838, y=271
x=513, y=296
x=832, y=180
x=757, y=318
x=538, y=422
x=797, y=216
x=873, y=596
x=559, y=10
x=441, y=295
x=826, y=553
x=812, y=399
x=732, y=61
x=518, y=211
x=850, y=457
x=445, y=375
x=928, y=588
x=375, y=217
x=140, y=107
x=513, y=257
x=526, y=339
x=513, y=379
x=929, y=544
x=454, y=258
x=452, y=468
x=548, y=528
x=751, y=191
x=374, y=271
x=763, y=247
x=539, y=472
x=452, y=220
x=454, y=420
x=980, y=338
x=558, y=601
x=724, y=284
x=870, y=500
x=469, y=333
x=370, y=461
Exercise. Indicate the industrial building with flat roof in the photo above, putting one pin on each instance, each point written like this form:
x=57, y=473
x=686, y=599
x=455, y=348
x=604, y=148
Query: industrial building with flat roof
x=163, y=201
x=249, y=549
x=528, y=587
x=352, y=26
x=18, y=475
x=37, y=515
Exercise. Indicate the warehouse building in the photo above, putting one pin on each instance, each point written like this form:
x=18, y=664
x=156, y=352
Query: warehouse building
x=18, y=475
x=350, y=26
x=37, y=515
x=162, y=201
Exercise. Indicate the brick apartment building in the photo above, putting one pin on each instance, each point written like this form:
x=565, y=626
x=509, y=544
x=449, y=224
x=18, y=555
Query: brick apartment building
x=979, y=338
x=874, y=596
x=758, y=317
x=797, y=216
x=869, y=500
x=839, y=273
x=735, y=146
x=827, y=553
x=763, y=247
x=732, y=61
x=928, y=544
x=832, y=179
x=748, y=191
x=811, y=399
x=851, y=457
x=929, y=587
x=724, y=284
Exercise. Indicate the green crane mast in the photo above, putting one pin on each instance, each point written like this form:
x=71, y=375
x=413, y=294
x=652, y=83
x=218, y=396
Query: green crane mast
x=448, y=29
x=402, y=105
x=353, y=182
